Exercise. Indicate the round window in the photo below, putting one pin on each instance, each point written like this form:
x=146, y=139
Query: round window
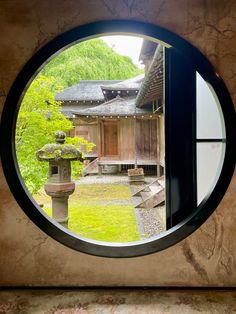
x=116, y=157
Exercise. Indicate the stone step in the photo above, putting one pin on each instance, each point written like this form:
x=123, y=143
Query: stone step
x=146, y=188
x=146, y=195
x=137, y=200
x=143, y=189
x=155, y=188
x=154, y=200
x=162, y=182
x=92, y=167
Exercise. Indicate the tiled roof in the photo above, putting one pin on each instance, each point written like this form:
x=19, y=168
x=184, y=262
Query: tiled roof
x=84, y=91
x=133, y=83
x=115, y=107
x=69, y=108
x=148, y=49
x=152, y=86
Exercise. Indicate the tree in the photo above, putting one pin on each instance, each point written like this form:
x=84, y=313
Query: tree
x=90, y=60
x=38, y=119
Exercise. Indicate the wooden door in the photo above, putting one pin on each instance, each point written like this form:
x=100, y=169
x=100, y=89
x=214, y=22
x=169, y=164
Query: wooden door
x=110, y=138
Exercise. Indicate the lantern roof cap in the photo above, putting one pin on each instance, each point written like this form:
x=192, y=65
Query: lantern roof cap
x=59, y=150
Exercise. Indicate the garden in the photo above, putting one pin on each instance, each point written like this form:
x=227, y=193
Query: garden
x=101, y=212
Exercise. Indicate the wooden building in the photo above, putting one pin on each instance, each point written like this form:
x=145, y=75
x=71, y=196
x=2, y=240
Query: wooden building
x=151, y=94
x=122, y=118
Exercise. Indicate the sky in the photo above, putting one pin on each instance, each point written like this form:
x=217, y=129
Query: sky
x=125, y=45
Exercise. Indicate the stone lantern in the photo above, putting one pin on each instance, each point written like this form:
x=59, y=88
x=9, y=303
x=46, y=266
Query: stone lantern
x=59, y=185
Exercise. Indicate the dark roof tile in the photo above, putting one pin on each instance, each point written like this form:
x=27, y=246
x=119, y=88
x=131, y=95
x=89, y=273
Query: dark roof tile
x=133, y=83
x=115, y=107
x=84, y=91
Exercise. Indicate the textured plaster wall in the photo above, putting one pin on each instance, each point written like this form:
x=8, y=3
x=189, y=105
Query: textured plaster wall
x=27, y=255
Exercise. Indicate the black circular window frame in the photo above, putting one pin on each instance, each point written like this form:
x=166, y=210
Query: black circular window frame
x=16, y=183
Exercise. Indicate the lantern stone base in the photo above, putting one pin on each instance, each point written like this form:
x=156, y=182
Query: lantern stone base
x=59, y=193
x=60, y=210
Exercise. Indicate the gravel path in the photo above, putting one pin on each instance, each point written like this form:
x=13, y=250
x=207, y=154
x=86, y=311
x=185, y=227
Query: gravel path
x=152, y=221
x=112, y=179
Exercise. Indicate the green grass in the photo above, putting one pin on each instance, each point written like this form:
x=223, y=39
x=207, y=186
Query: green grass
x=101, y=212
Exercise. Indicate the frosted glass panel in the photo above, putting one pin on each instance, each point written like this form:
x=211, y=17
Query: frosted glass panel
x=209, y=164
x=209, y=123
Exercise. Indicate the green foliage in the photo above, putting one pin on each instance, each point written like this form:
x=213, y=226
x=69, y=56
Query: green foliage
x=79, y=142
x=38, y=119
x=89, y=60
